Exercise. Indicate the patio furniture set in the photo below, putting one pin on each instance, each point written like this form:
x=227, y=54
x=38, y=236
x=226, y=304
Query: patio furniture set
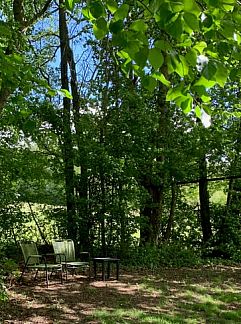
x=63, y=261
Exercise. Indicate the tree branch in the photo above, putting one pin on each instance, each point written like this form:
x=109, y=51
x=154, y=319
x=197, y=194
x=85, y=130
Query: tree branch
x=209, y=179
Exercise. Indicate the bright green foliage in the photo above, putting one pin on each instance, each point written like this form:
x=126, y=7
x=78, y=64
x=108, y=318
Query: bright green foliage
x=186, y=29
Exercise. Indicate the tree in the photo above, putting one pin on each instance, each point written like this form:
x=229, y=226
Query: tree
x=18, y=17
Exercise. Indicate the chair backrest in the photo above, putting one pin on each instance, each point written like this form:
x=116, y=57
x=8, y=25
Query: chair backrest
x=29, y=249
x=70, y=250
x=66, y=248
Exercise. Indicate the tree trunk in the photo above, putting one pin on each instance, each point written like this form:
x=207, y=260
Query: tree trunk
x=151, y=215
x=153, y=211
x=67, y=135
x=234, y=184
x=167, y=234
x=102, y=213
x=204, y=200
x=82, y=186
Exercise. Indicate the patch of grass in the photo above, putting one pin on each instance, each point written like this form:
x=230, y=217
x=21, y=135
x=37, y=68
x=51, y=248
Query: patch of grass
x=133, y=316
x=181, y=296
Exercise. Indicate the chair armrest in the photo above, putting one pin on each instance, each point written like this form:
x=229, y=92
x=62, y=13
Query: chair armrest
x=56, y=255
x=40, y=256
x=35, y=256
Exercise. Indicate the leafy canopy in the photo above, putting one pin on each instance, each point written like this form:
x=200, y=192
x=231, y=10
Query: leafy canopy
x=195, y=43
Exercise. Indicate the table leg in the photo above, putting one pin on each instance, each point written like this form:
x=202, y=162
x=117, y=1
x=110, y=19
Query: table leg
x=117, y=270
x=95, y=275
x=108, y=269
x=103, y=270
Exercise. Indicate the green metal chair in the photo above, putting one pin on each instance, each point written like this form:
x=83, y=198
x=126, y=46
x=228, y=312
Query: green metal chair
x=66, y=249
x=35, y=261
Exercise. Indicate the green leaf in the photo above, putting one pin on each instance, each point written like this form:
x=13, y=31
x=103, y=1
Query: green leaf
x=206, y=108
x=51, y=92
x=191, y=20
x=155, y=58
x=120, y=39
x=65, y=93
x=205, y=83
x=176, y=6
x=100, y=28
x=223, y=48
x=87, y=14
x=149, y=83
x=70, y=4
x=112, y=6
x=200, y=46
x=154, y=5
x=175, y=28
x=141, y=56
x=198, y=112
x=228, y=29
x=125, y=56
x=177, y=63
x=191, y=57
x=202, y=93
x=221, y=74
x=185, y=41
x=160, y=77
x=209, y=71
x=182, y=68
x=228, y=5
x=133, y=47
x=163, y=45
x=208, y=21
x=174, y=93
x=122, y=12
x=139, y=26
x=187, y=105
x=214, y=3
x=191, y=6
x=116, y=26
x=179, y=101
x=97, y=9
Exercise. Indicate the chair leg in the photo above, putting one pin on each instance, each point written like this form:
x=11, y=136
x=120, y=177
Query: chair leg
x=21, y=277
x=61, y=275
x=36, y=273
x=47, y=277
x=51, y=274
x=66, y=272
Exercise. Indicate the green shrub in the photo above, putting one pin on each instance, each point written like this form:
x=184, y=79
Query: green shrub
x=176, y=255
x=168, y=255
x=9, y=271
x=3, y=290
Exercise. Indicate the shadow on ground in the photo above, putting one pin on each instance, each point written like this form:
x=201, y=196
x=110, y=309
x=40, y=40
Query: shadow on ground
x=203, y=295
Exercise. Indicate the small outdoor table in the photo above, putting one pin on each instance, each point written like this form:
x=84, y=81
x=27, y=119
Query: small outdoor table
x=105, y=261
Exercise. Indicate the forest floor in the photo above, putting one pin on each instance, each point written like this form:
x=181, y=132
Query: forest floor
x=200, y=295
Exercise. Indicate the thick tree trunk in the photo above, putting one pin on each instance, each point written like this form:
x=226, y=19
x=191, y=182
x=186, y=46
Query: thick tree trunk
x=145, y=228
x=82, y=186
x=152, y=212
x=67, y=135
x=151, y=216
x=204, y=200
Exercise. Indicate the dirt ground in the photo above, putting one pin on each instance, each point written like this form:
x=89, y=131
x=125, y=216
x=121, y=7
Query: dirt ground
x=201, y=295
